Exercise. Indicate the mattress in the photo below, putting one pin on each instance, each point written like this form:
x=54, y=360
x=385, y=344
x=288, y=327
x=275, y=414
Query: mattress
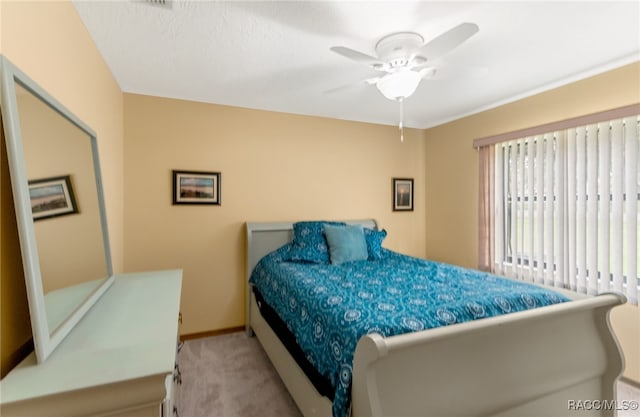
x=327, y=308
x=279, y=327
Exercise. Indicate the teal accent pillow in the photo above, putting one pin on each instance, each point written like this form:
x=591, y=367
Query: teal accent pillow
x=308, y=243
x=346, y=243
x=374, y=240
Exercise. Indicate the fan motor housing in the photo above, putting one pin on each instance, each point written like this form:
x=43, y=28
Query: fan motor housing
x=397, y=48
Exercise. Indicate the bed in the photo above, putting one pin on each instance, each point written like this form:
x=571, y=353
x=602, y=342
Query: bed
x=496, y=366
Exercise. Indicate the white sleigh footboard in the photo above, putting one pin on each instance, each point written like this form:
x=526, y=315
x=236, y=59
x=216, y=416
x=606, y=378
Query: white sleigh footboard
x=531, y=363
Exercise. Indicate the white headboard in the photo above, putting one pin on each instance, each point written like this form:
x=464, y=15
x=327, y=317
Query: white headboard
x=265, y=237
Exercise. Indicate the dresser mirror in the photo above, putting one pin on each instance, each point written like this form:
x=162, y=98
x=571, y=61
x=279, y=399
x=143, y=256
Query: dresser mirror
x=59, y=204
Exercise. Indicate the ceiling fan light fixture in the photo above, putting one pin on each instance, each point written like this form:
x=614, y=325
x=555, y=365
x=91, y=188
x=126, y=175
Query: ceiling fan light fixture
x=399, y=85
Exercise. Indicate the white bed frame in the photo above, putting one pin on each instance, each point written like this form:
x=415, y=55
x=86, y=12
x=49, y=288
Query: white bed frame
x=530, y=363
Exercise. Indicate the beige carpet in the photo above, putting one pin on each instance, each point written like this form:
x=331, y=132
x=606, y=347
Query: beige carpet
x=231, y=376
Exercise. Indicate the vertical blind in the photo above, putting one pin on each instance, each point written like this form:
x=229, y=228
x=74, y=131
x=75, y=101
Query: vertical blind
x=564, y=207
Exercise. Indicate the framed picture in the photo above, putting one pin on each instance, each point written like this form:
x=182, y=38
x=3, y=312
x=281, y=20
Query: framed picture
x=403, y=194
x=52, y=197
x=195, y=187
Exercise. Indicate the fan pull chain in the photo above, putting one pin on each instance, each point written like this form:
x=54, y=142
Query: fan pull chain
x=401, y=125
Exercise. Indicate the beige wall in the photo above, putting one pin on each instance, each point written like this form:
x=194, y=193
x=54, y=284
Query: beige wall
x=452, y=173
x=274, y=167
x=48, y=41
x=15, y=328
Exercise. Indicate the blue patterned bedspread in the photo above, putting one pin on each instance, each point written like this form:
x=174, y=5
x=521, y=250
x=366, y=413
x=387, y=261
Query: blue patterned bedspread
x=329, y=307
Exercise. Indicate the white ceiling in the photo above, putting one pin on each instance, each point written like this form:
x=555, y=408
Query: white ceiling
x=275, y=55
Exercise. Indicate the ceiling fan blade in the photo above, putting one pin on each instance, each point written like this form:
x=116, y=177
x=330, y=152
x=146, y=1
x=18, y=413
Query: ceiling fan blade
x=368, y=81
x=448, y=40
x=428, y=73
x=357, y=56
x=446, y=72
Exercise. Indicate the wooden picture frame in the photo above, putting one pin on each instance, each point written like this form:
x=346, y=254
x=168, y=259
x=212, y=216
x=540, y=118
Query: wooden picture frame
x=196, y=187
x=402, y=194
x=52, y=197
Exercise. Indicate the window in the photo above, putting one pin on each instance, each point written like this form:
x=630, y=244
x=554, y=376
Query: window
x=561, y=207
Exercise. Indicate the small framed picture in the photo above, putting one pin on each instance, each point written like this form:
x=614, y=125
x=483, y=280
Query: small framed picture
x=196, y=187
x=403, y=194
x=52, y=197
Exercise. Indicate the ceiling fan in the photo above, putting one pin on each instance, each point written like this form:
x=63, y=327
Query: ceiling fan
x=405, y=59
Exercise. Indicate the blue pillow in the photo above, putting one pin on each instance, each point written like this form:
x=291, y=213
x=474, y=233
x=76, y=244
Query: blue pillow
x=346, y=244
x=374, y=240
x=309, y=243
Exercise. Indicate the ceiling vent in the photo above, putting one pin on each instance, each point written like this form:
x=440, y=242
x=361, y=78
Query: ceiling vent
x=166, y=4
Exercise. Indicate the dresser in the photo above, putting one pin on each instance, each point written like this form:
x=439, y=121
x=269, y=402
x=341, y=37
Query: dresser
x=119, y=360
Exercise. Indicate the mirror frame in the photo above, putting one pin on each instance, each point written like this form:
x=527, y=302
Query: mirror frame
x=45, y=340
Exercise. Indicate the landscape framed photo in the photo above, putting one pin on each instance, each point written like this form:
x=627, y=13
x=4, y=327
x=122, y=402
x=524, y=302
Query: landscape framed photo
x=196, y=187
x=403, y=194
x=52, y=197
